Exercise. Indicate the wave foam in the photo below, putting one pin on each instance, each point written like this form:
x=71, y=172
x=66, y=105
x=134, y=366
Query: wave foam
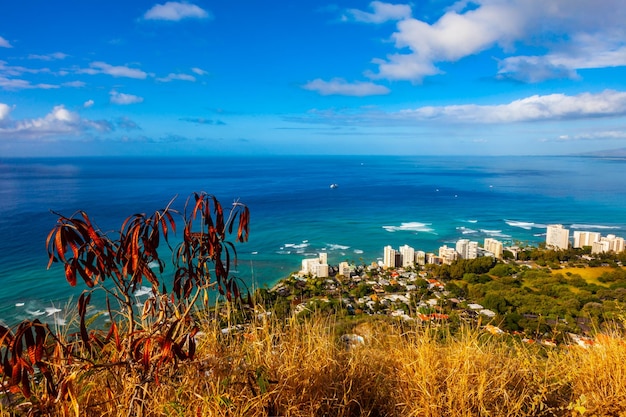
x=358, y=251
x=36, y=312
x=410, y=227
x=593, y=226
x=296, y=245
x=143, y=291
x=52, y=310
x=494, y=233
x=465, y=230
x=334, y=246
x=525, y=225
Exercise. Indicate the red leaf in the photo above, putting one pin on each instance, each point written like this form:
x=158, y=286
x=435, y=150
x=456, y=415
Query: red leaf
x=83, y=301
x=40, y=339
x=70, y=274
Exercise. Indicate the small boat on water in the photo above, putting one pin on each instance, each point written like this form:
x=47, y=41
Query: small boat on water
x=334, y=185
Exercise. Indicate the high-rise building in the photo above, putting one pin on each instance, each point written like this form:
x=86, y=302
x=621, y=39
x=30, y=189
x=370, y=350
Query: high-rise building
x=582, y=239
x=344, y=269
x=462, y=248
x=610, y=243
x=448, y=255
x=316, y=266
x=389, y=257
x=408, y=255
x=323, y=258
x=557, y=237
x=494, y=246
x=467, y=249
x=420, y=257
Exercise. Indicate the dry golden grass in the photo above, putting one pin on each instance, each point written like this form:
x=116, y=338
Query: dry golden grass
x=588, y=274
x=301, y=368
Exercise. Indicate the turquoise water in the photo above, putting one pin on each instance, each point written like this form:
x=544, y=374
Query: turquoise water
x=420, y=201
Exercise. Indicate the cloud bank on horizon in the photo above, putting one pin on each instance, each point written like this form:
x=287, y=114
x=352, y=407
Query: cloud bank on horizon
x=471, y=77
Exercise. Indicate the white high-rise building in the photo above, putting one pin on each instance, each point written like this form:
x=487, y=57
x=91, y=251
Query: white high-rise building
x=408, y=255
x=582, y=239
x=467, y=249
x=321, y=271
x=316, y=266
x=610, y=243
x=344, y=269
x=557, y=237
x=494, y=246
x=461, y=248
x=448, y=255
x=323, y=258
x=420, y=257
x=389, y=257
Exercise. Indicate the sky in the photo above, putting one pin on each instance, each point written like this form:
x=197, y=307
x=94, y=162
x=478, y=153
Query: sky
x=245, y=77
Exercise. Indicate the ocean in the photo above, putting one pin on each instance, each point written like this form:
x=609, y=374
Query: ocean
x=421, y=201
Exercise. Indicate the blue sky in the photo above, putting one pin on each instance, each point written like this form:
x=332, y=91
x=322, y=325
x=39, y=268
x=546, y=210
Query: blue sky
x=311, y=77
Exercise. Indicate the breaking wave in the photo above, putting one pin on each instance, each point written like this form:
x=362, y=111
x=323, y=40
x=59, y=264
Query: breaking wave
x=525, y=225
x=593, y=226
x=410, y=227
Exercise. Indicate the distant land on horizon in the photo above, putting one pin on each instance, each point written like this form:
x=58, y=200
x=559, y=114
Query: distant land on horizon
x=608, y=153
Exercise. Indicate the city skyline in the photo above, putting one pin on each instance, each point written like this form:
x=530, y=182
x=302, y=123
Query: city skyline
x=487, y=77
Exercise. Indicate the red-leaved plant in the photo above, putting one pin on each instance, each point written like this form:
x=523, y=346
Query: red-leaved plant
x=141, y=342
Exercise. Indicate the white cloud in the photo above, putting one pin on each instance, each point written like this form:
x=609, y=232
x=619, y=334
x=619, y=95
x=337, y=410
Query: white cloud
x=546, y=108
x=59, y=122
x=88, y=103
x=601, y=135
x=114, y=71
x=338, y=86
x=49, y=57
x=534, y=108
x=74, y=84
x=4, y=43
x=123, y=99
x=585, y=52
x=383, y=12
x=175, y=11
x=199, y=71
x=14, y=71
x=451, y=38
x=575, y=34
x=19, y=84
x=4, y=111
x=181, y=77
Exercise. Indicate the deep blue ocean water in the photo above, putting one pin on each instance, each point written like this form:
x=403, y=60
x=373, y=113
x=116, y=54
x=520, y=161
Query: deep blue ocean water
x=420, y=201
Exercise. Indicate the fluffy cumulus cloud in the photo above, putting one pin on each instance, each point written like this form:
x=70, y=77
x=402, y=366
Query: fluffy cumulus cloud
x=575, y=34
x=382, y=12
x=88, y=103
x=4, y=111
x=338, y=86
x=114, y=71
x=175, y=11
x=4, y=43
x=59, y=122
x=123, y=99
